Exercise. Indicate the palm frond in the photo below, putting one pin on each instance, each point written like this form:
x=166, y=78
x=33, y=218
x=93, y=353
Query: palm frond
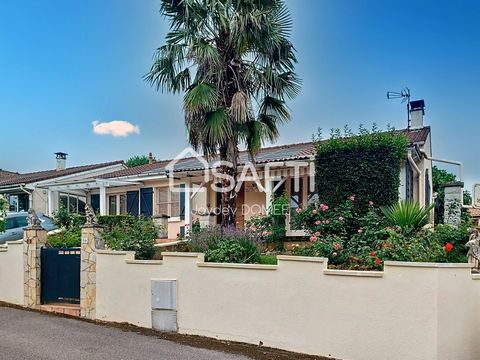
x=202, y=96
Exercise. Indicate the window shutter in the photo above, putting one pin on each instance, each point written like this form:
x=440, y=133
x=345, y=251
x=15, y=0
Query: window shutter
x=95, y=202
x=132, y=203
x=146, y=204
x=182, y=201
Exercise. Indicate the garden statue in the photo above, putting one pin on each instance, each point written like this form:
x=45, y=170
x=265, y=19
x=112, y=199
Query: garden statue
x=473, y=246
x=32, y=218
x=90, y=218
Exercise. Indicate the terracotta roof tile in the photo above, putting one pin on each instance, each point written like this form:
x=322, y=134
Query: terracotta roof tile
x=474, y=212
x=299, y=151
x=51, y=174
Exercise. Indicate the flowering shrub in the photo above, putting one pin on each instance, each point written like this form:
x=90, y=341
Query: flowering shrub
x=271, y=227
x=352, y=241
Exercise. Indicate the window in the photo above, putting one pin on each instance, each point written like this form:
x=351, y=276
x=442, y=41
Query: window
x=112, y=205
x=74, y=203
x=300, y=197
x=409, y=182
x=18, y=202
x=117, y=204
x=168, y=202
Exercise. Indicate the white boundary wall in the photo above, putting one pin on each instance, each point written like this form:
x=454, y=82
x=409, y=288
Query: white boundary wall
x=409, y=311
x=12, y=272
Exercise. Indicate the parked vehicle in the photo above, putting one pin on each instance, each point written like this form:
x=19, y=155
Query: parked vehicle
x=16, y=221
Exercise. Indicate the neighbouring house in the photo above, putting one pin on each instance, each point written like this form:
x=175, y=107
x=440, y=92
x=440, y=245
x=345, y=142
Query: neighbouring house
x=24, y=191
x=146, y=190
x=475, y=214
x=5, y=173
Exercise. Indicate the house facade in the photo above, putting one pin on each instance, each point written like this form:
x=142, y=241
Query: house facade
x=176, y=192
x=29, y=190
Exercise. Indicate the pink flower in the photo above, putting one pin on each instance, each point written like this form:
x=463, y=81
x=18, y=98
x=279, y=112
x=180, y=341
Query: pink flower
x=360, y=231
x=337, y=246
x=317, y=233
x=341, y=218
x=318, y=222
x=298, y=210
x=314, y=211
x=334, y=254
x=327, y=221
x=323, y=207
x=313, y=238
x=352, y=198
x=370, y=203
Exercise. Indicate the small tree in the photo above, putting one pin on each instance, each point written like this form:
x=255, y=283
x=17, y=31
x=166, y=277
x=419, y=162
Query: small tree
x=137, y=160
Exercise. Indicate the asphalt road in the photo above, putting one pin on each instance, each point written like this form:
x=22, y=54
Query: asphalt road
x=26, y=335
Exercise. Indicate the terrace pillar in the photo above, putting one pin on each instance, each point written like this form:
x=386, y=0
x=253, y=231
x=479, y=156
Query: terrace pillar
x=34, y=238
x=91, y=241
x=453, y=203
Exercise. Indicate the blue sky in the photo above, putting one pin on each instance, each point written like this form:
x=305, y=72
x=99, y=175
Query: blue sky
x=65, y=64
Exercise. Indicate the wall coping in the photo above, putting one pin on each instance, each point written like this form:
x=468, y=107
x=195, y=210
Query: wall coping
x=301, y=258
x=15, y=242
x=357, y=273
x=238, y=266
x=181, y=254
x=145, y=262
x=114, y=252
x=428, y=265
x=475, y=276
x=171, y=243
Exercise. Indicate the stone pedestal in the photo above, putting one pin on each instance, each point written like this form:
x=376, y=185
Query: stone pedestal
x=91, y=241
x=34, y=237
x=453, y=203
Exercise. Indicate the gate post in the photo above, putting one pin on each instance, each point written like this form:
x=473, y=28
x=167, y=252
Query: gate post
x=34, y=238
x=91, y=241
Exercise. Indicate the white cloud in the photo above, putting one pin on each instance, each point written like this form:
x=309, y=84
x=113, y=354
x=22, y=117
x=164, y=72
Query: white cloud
x=116, y=128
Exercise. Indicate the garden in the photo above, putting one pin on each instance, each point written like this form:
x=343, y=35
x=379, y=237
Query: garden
x=357, y=221
x=120, y=232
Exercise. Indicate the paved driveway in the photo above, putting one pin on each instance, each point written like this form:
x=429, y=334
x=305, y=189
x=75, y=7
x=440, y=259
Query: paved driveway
x=26, y=335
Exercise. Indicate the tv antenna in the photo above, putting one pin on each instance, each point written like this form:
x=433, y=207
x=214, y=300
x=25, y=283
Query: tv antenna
x=405, y=96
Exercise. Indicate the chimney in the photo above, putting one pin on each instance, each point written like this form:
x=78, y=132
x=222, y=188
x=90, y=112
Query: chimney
x=151, y=159
x=61, y=160
x=417, y=111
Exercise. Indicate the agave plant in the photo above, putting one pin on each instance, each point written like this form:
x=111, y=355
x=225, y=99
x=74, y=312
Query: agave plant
x=407, y=215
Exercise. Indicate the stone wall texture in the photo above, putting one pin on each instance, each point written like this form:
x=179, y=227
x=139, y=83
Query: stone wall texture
x=91, y=240
x=34, y=239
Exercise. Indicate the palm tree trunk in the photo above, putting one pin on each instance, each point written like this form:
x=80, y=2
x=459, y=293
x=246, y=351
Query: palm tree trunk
x=228, y=197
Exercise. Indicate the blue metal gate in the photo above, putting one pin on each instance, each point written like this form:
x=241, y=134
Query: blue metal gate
x=60, y=275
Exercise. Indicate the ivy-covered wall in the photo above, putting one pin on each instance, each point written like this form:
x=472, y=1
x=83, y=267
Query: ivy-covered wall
x=366, y=165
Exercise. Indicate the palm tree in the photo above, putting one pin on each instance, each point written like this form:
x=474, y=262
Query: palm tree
x=234, y=63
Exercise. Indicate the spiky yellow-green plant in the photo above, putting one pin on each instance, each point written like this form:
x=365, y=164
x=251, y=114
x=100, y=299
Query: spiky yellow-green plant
x=407, y=215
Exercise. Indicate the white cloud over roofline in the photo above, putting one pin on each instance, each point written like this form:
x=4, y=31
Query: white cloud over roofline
x=116, y=128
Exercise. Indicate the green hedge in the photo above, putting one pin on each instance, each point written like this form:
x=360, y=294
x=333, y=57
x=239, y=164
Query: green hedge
x=365, y=165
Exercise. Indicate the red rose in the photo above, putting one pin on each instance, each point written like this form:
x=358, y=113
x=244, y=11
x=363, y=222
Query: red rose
x=372, y=254
x=378, y=261
x=448, y=247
